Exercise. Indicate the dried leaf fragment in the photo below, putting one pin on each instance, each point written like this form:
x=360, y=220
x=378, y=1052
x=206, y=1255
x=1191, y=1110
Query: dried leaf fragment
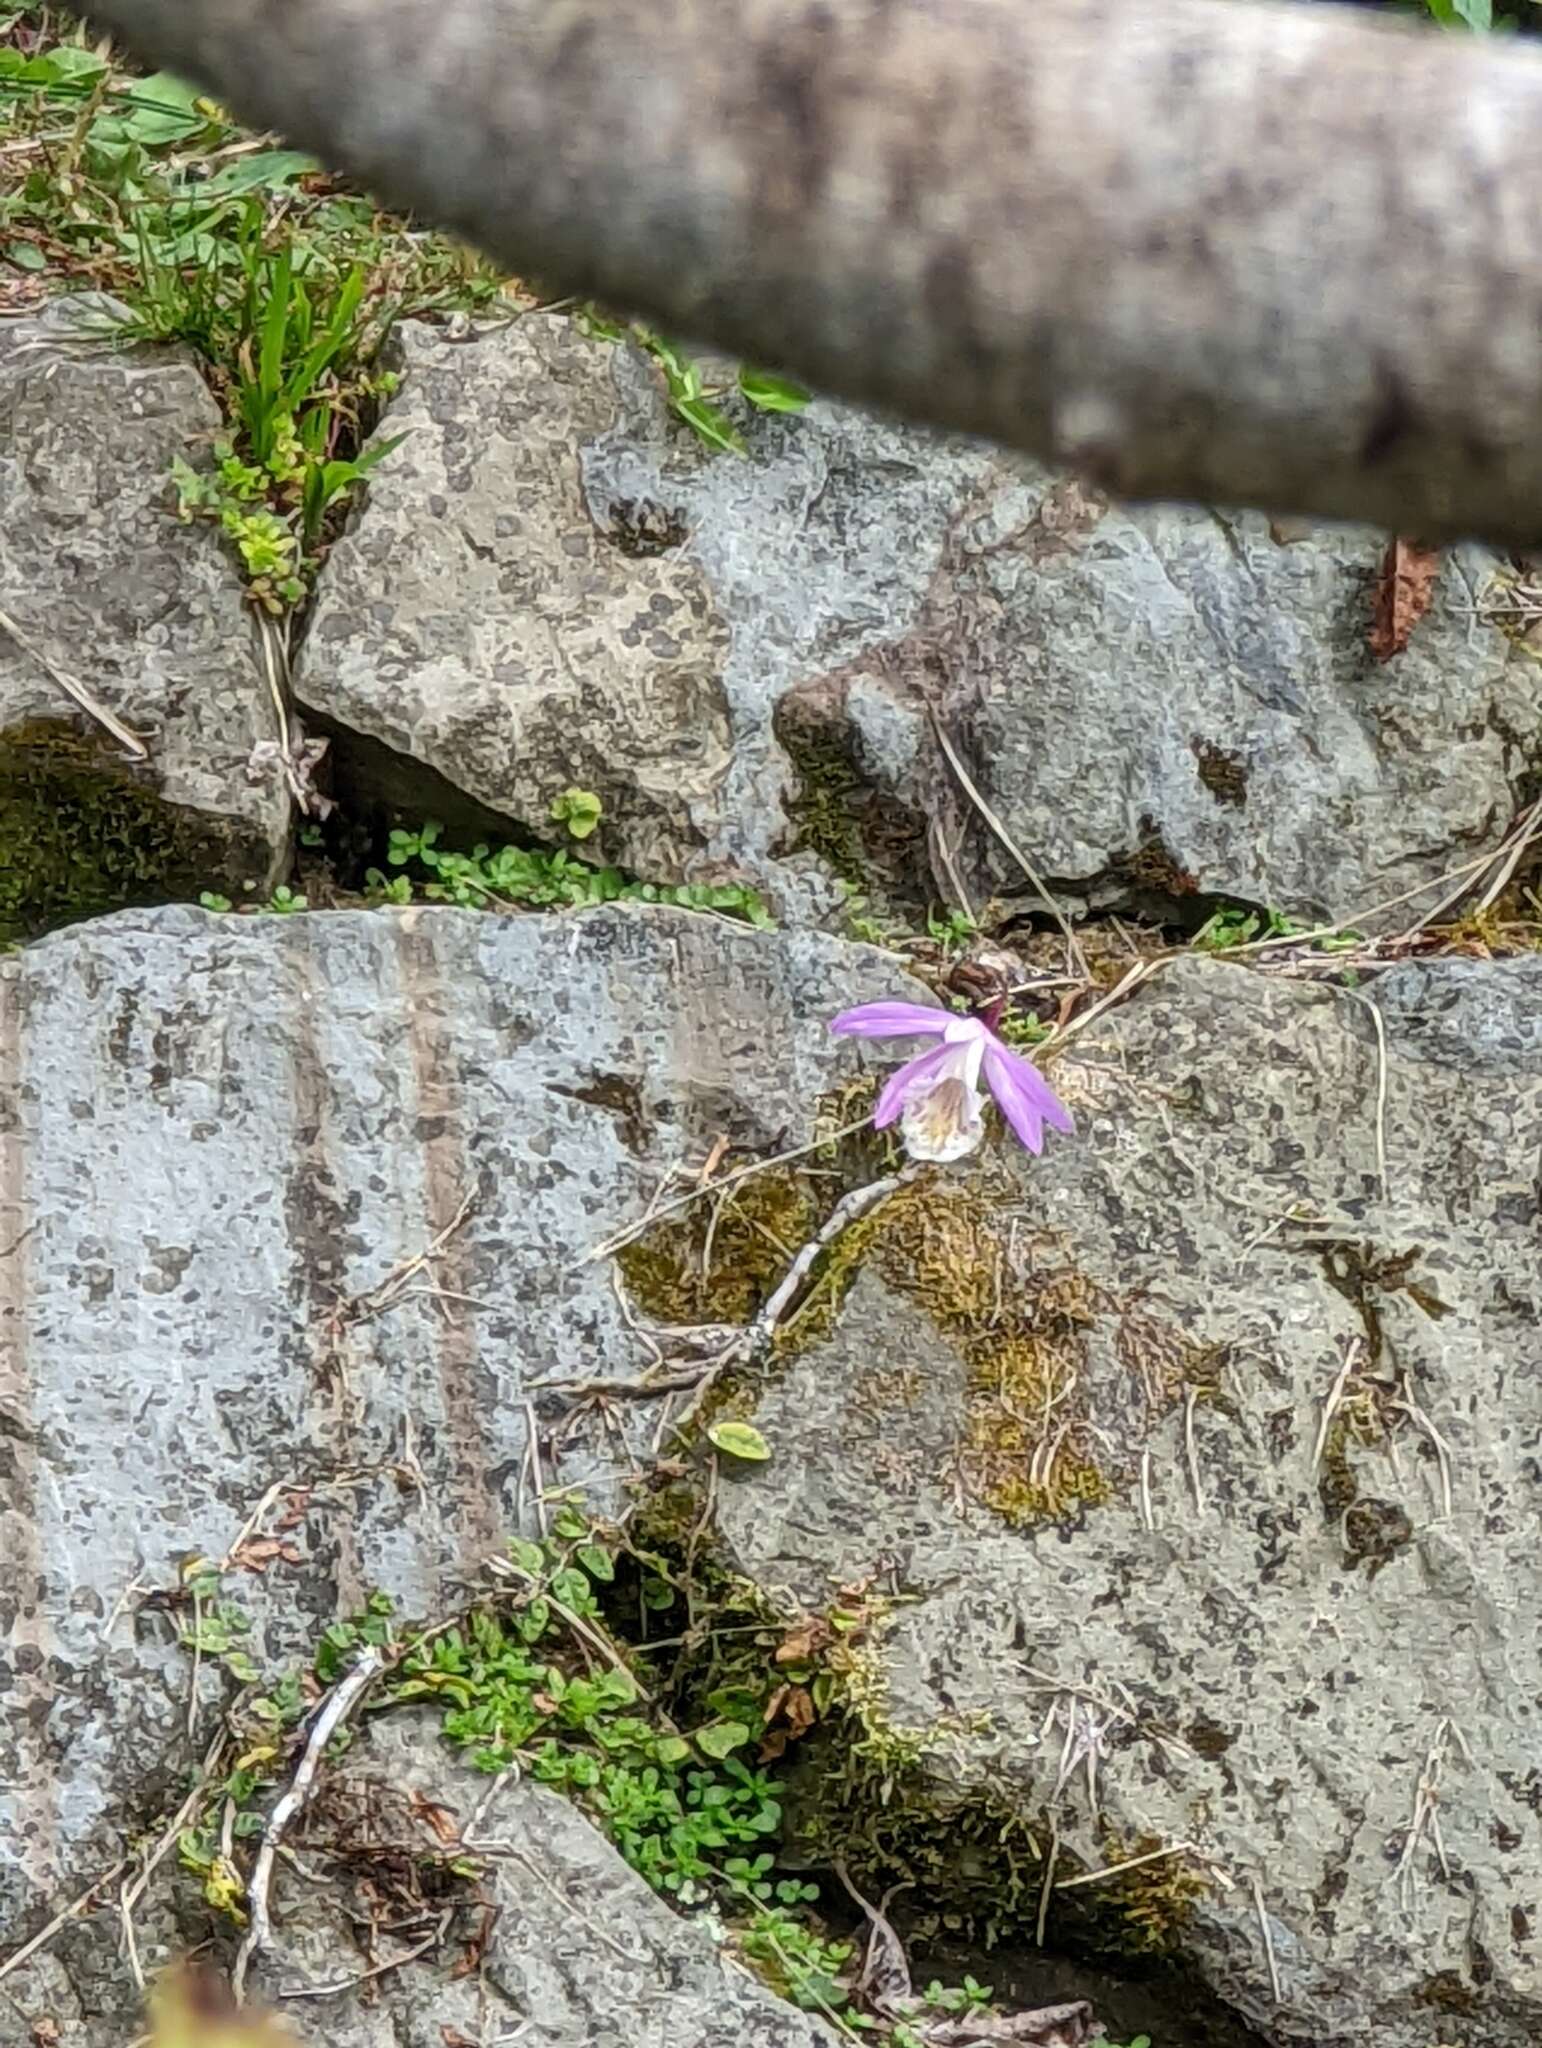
x=804, y=1640
x=788, y=1718
x=1404, y=587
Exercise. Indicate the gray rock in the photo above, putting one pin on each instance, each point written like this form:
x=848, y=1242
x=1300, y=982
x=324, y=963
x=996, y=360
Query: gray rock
x=146, y=613
x=575, y=1950
x=1160, y=703
x=223, y=1141
x=553, y=582
x=477, y=618
x=581, y=1954
x=1304, y=1629
x=1172, y=700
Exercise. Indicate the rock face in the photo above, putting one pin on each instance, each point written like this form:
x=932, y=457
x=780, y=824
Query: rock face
x=1166, y=702
x=553, y=583
x=223, y=1142
x=575, y=1951
x=579, y=1951
x=1188, y=1479
x=477, y=618
x=1203, y=1460
x=102, y=582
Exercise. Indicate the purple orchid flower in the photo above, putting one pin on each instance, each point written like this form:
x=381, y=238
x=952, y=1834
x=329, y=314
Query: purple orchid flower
x=936, y=1096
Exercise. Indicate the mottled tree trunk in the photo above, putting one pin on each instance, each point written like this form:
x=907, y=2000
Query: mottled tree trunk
x=1285, y=256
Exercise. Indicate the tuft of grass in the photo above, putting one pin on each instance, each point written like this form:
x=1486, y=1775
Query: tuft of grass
x=284, y=284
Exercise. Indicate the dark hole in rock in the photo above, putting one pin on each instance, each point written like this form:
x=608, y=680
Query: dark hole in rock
x=1170, y=2004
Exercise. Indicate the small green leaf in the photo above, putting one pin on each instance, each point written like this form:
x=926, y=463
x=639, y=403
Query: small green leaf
x=528, y=1556
x=579, y=809
x=710, y=425
x=721, y=1738
x=162, y=109
x=672, y=1749
x=596, y=1562
x=68, y=64
x=740, y=1440
x=268, y=170
x=25, y=256
x=772, y=393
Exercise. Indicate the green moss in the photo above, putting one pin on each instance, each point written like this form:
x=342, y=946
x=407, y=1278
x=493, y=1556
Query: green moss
x=1337, y=1487
x=1447, y=1991
x=975, y=1865
x=1373, y=1531
x=82, y=832
x=1223, y=773
x=874, y=843
x=1151, y=867
x=1026, y=1449
x=867, y=1793
x=718, y=1260
x=1148, y=1910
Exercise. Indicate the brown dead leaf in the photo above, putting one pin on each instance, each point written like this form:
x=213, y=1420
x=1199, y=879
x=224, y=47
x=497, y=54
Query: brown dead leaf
x=294, y=1514
x=789, y=1716
x=441, y=1822
x=804, y=1640
x=45, y=2032
x=258, y=1552
x=452, y=2037
x=1404, y=588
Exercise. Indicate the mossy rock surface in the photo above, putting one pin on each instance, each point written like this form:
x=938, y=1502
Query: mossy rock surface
x=1171, y=1643
x=84, y=832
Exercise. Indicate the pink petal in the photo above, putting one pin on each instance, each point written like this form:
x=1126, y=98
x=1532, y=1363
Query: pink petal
x=890, y=1020
x=1026, y=1099
x=895, y=1089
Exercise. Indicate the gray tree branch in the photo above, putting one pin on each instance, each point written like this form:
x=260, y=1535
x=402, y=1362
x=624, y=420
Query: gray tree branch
x=1282, y=256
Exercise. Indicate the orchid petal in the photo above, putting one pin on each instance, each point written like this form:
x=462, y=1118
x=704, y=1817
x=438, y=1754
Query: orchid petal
x=1025, y=1098
x=900, y=1082
x=891, y=1020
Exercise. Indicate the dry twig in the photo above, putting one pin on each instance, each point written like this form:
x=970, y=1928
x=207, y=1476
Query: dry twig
x=345, y=1696
x=76, y=690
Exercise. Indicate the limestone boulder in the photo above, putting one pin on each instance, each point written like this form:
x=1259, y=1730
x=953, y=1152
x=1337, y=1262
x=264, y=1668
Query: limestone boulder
x=571, y=1948
x=98, y=579
x=553, y=583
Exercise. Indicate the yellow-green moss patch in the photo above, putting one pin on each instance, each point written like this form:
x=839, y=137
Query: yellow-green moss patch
x=718, y=1260
x=1026, y=1450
